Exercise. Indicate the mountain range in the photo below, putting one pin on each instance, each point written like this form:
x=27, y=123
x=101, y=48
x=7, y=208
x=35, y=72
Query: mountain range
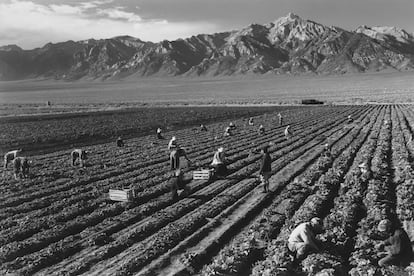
x=289, y=45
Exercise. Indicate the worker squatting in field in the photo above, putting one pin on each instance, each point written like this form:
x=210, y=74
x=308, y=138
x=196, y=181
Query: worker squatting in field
x=261, y=129
x=398, y=249
x=9, y=157
x=287, y=132
x=302, y=239
x=79, y=155
x=21, y=167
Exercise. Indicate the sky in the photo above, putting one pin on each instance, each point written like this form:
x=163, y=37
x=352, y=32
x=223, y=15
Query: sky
x=33, y=23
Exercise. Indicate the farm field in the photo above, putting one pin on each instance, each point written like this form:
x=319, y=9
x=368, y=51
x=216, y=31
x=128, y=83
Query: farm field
x=49, y=131
x=60, y=221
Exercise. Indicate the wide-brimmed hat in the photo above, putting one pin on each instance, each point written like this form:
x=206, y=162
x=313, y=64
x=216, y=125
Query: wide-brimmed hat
x=384, y=225
x=220, y=149
x=173, y=138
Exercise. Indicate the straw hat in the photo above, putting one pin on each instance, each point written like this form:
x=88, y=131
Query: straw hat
x=220, y=149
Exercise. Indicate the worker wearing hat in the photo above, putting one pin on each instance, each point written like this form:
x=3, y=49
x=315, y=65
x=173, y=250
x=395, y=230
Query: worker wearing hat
x=302, y=240
x=327, y=150
x=397, y=245
x=176, y=151
x=219, y=162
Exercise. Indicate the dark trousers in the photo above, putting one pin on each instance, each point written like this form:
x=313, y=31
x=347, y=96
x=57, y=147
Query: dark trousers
x=174, y=160
x=220, y=169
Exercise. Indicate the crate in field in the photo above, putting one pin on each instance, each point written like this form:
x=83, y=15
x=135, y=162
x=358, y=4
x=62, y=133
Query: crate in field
x=125, y=195
x=203, y=174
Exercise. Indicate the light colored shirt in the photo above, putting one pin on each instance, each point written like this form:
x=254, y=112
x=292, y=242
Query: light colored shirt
x=302, y=234
x=218, y=158
x=172, y=144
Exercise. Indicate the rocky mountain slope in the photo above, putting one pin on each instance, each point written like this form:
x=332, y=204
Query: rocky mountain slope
x=288, y=45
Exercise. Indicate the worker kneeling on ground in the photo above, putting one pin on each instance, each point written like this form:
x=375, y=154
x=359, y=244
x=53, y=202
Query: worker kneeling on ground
x=21, y=167
x=397, y=245
x=176, y=183
x=219, y=163
x=203, y=127
x=79, y=154
x=302, y=240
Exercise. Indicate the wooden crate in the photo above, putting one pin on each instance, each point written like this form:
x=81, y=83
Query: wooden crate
x=125, y=195
x=203, y=174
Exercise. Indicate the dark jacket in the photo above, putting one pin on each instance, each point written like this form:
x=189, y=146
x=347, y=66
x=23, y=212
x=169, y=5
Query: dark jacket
x=399, y=244
x=266, y=165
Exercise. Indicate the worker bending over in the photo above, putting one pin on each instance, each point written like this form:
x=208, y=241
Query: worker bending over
x=302, y=240
x=119, y=142
x=287, y=132
x=219, y=163
x=79, y=154
x=397, y=246
x=21, y=167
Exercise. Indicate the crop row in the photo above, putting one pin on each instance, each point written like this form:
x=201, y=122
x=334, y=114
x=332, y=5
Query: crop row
x=246, y=247
x=277, y=260
x=129, y=233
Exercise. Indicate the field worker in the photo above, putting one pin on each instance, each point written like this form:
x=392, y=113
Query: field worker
x=159, y=133
x=176, y=183
x=287, y=132
x=302, y=240
x=397, y=245
x=219, y=162
x=251, y=123
x=265, y=169
x=203, y=127
x=232, y=125
x=119, y=142
x=280, y=119
x=261, y=129
x=9, y=157
x=228, y=132
x=175, y=156
x=350, y=120
x=21, y=167
x=327, y=150
x=172, y=144
x=79, y=154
